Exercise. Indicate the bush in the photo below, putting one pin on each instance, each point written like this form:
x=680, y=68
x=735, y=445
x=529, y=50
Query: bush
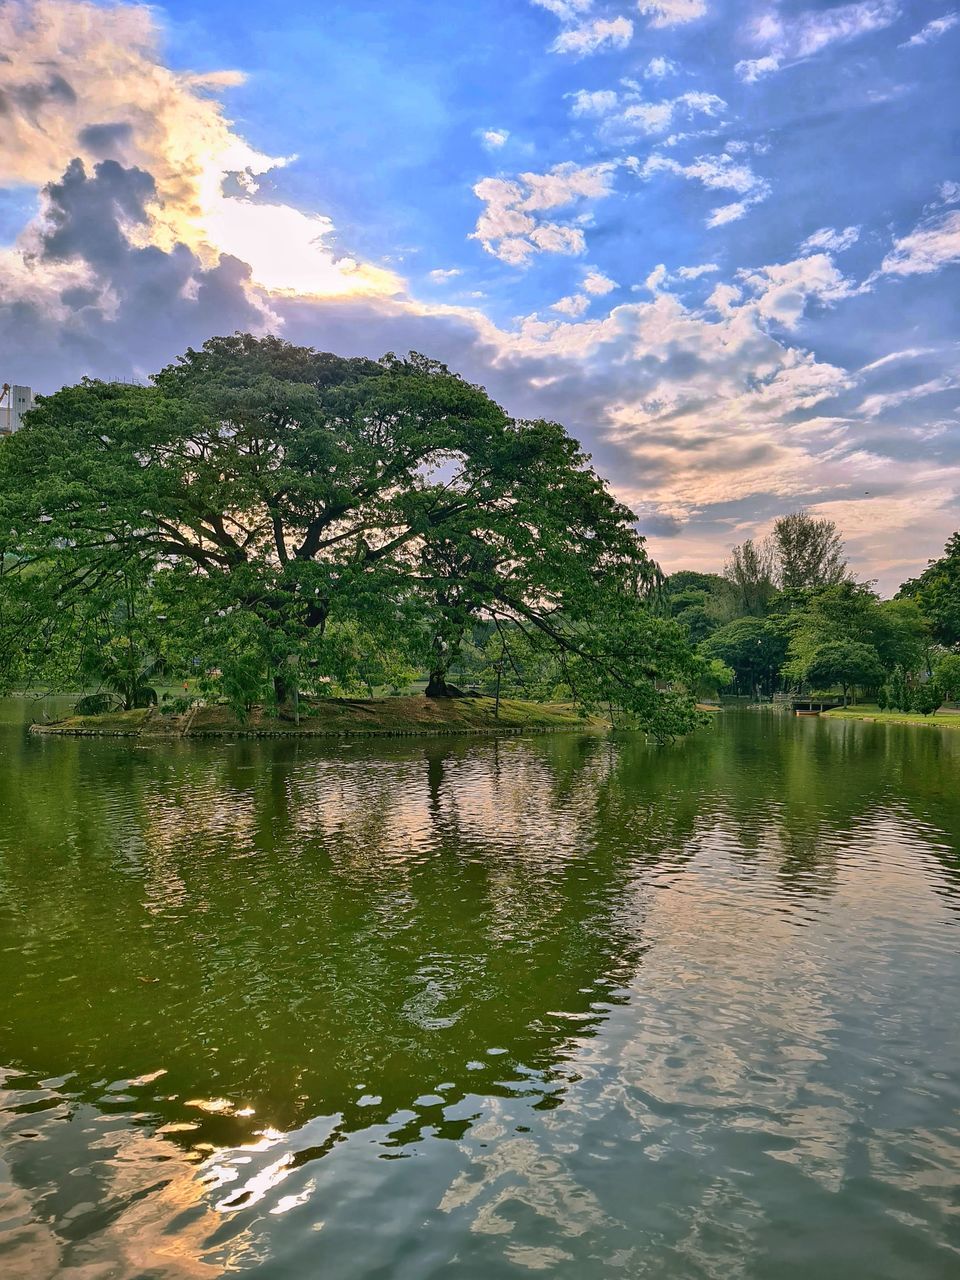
x=95, y=704
x=883, y=697
x=927, y=698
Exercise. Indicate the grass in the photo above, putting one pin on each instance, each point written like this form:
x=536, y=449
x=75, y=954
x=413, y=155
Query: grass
x=946, y=719
x=335, y=716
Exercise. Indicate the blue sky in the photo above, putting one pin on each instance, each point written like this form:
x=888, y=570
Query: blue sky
x=719, y=241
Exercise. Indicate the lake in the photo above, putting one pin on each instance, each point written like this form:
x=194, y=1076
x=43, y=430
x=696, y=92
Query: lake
x=560, y=1005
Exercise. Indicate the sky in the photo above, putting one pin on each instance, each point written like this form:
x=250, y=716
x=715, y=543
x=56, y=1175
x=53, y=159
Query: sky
x=718, y=239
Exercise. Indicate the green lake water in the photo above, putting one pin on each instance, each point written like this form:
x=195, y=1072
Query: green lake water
x=482, y=1008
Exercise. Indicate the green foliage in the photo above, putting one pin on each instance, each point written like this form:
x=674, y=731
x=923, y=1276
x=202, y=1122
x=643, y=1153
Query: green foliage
x=699, y=602
x=750, y=572
x=753, y=648
x=927, y=697
x=807, y=552
x=265, y=516
x=851, y=613
x=899, y=691
x=947, y=675
x=842, y=662
x=937, y=592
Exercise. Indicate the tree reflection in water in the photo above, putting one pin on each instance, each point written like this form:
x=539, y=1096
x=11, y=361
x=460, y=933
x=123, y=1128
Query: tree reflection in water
x=533, y=947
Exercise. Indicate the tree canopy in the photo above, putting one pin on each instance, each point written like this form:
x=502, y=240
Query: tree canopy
x=261, y=507
x=937, y=591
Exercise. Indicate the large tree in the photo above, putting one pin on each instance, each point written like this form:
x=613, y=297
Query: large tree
x=263, y=507
x=843, y=663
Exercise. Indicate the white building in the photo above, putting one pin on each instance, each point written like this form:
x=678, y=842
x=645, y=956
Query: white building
x=14, y=403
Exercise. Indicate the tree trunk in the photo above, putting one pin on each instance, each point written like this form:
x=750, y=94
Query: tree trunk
x=437, y=686
x=280, y=690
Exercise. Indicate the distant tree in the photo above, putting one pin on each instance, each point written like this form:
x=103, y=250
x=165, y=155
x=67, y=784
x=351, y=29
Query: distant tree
x=843, y=663
x=899, y=691
x=927, y=697
x=947, y=675
x=937, y=591
x=753, y=648
x=850, y=611
x=807, y=552
x=699, y=602
x=750, y=572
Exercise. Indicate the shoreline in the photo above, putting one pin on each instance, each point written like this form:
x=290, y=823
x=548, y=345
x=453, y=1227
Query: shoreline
x=410, y=716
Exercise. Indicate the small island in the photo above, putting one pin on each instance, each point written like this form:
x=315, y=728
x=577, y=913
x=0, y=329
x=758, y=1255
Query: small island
x=404, y=716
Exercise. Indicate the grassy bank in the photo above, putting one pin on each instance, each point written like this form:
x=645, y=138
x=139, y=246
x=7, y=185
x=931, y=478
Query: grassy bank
x=946, y=719
x=336, y=716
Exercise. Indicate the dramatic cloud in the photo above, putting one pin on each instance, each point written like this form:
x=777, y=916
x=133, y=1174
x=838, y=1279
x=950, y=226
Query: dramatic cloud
x=511, y=226
x=90, y=300
x=932, y=31
x=87, y=82
x=758, y=376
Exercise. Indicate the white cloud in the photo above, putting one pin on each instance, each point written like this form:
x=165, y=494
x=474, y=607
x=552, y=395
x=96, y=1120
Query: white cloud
x=724, y=213
x=510, y=226
x=717, y=173
x=591, y=37
x=782, y=290
x=933, y=244
x=659, y=68
x=932, y=31
x=596, y=283
x=669, y=13
x=573, y=305
x=874, y=406
x=565, y=10
x=752, y=69
x=949, y=192
x=630, y=115
x=829, y=240
x=598, y=102
x=694, y=273
x=910, y=353
x=656, y=279
x=494, y=139
x=795, y=38
x=440, y=274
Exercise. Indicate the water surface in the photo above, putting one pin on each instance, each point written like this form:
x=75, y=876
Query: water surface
x=482, y=1008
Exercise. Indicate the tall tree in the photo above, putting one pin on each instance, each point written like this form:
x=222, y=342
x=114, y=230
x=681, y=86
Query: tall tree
x=807, y=552
x=750, y=571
